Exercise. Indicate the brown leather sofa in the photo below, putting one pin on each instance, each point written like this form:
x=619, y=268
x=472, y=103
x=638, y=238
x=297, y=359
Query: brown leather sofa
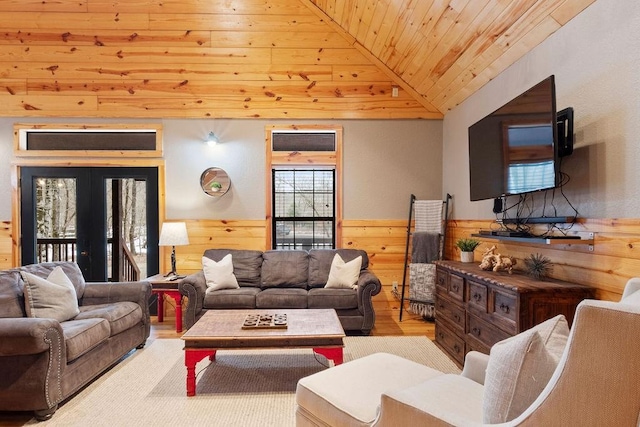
x=44, y=361
x=279, y=279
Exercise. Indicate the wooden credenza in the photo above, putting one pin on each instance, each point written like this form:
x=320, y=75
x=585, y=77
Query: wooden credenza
x=477, y=308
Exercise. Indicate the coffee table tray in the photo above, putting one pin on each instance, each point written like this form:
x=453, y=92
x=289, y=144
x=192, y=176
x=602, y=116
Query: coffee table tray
x=264, y=321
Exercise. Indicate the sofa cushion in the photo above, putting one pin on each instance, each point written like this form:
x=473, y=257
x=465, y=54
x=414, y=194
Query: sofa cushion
x=247, y=264
x=282, y=298
x=344, y=274
x=80, y=336
x=320, y=263
x=54, y=297
x=71, y=270
x=339, y=299
x=285, y=269
x=219, y=275
x=120, y=315
x=244, y=297
x=518, y=370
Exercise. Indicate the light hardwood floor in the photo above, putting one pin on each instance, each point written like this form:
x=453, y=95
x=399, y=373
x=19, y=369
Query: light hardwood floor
x=387, y=309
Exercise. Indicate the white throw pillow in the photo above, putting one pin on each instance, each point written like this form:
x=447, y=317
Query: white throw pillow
x=219, y=275
x=517, y=372
x=53, y=298
x=344, y=275
x=520, y=367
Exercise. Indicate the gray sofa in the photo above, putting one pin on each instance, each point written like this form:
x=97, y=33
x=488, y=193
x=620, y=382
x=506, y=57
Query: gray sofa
x=292, y=279
x=43, y=361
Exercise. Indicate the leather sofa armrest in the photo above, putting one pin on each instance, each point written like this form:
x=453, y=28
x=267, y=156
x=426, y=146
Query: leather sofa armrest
x=368, y=286
x=28, y=335
x=368, y=282
x=475, y=366
x=194, y=287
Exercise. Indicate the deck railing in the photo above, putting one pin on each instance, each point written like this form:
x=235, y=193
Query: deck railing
x=64, y=249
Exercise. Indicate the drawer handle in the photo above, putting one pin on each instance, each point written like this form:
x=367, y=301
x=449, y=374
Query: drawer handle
x=477, y=297
x=441, y=335
x=456, y=348
x=476, y=331
x=505, y=308
x=441, y=281
x=456, y=317
x=455, y=288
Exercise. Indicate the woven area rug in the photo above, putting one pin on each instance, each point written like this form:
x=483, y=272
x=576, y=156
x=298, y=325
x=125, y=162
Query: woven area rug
x=241, y=388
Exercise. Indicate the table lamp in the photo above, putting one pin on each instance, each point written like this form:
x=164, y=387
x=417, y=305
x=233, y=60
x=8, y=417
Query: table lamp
x=173, y=234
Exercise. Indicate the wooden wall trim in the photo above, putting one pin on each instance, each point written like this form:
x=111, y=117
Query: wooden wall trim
x=615, y=257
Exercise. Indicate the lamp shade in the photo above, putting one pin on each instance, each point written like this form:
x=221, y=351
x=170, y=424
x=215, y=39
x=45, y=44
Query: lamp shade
x=173, y=234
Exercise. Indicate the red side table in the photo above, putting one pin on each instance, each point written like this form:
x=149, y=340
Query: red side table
x=161, y=286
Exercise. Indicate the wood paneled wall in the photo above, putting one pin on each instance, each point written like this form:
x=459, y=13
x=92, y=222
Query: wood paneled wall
x=614, y=259
x=187, y=59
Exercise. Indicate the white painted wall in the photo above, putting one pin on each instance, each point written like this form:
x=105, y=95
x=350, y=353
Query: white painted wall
x=596, y=61
x=384, y=162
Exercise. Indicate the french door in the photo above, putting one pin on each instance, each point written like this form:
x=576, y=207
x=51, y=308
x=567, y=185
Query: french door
x=103, y=218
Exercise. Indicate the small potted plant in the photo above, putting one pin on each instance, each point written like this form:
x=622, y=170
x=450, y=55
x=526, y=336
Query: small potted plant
x=216, y=186
x=467, y=246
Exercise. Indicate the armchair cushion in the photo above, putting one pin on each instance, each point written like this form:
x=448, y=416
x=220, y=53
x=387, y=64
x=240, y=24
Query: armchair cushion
x=344, y=274
x=520, y=367
x=54, y=297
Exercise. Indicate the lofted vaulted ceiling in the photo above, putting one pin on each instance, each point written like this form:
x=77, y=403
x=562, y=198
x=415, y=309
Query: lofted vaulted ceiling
x=444, y=50
x=286, y=59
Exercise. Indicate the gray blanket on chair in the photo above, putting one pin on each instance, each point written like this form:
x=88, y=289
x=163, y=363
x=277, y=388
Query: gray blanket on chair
x=425, y=247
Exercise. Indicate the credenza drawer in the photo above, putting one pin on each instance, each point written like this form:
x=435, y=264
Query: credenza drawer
x=456, y=287
x=453, y=313
x=452, y=343
x=483, y=331
x=505, y=311
x=477, y=295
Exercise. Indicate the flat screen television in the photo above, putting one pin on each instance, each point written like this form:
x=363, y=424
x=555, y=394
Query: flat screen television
x=516, y=149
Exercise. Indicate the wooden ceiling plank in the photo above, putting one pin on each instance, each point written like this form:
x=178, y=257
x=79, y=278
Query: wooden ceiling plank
x=395, y=42
x=247, y=39
x=481, y=37
x=360, y=7
x=101, y=37
x=43, y=6
x=417, y=46
x=446, y=20
x=367, y=73
x=569, y=9
x=464, y=33
x=235, y=7
x=73, y=21
x=255, y=90
x=386, y=26
x=366, y=21
x=484, y=50
x=231, y=22
x=406, y=38
x=515, y=51
x=379, y=13
x=230, y=73
x=13, y=86
x=136, y=55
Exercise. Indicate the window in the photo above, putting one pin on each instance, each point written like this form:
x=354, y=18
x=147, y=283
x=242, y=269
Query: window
x=304, y=208
x=304, y=187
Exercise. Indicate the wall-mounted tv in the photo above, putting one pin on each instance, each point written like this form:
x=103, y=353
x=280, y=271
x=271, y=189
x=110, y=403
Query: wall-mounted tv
x=516, y=149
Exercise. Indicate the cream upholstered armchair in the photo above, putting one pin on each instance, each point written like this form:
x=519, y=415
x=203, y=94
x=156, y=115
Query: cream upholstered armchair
x=546, y=376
